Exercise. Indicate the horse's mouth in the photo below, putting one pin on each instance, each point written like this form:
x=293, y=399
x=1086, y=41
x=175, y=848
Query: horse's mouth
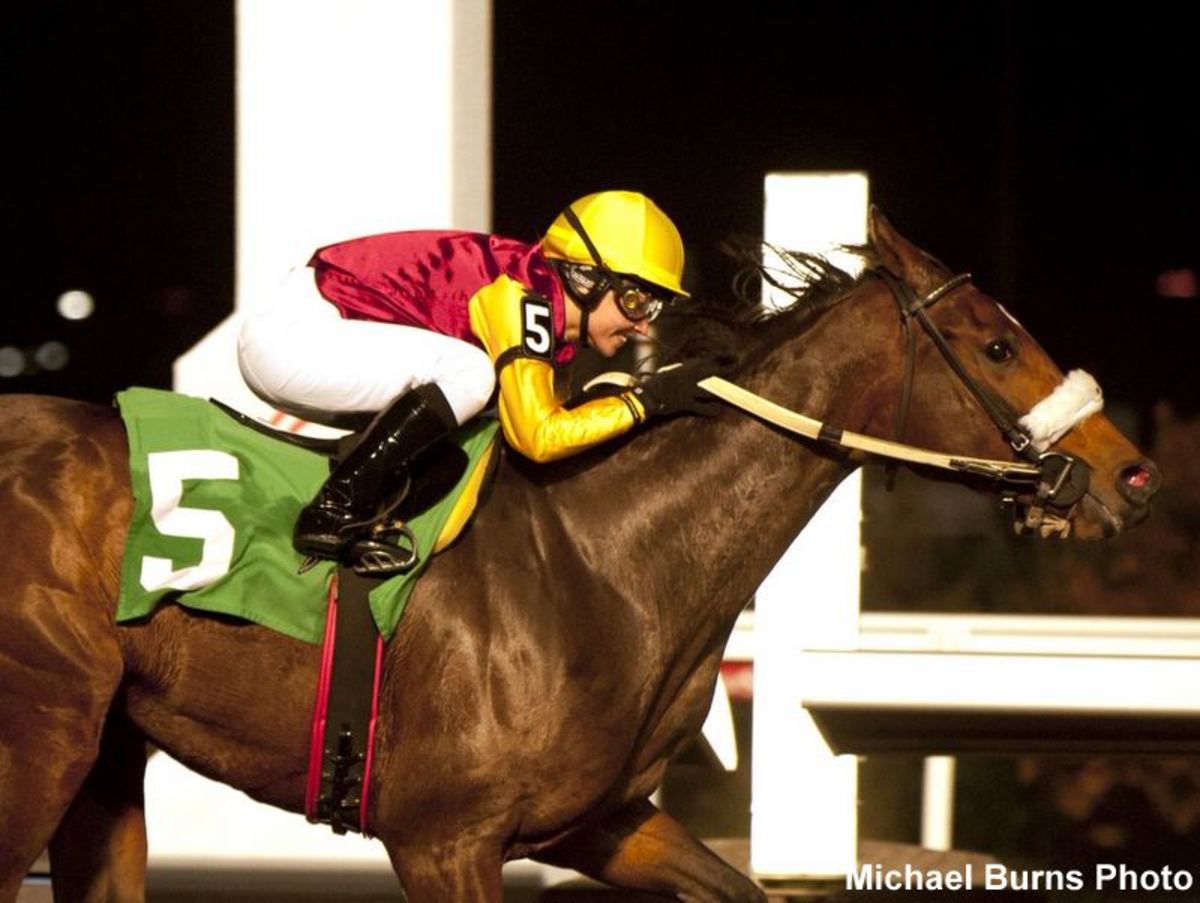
x=1118, y=522
x=1090, y=518
x=1048, y=524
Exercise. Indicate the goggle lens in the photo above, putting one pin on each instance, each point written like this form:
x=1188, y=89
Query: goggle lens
x=637, y=304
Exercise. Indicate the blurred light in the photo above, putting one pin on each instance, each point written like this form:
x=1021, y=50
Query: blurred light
x=12, y=361
x=76, y=305
x=1177, y=284
x=52, y=355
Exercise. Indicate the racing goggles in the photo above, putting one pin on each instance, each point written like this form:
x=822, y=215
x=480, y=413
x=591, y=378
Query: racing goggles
x=635, y=301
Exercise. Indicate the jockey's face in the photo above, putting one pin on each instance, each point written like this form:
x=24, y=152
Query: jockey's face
x=609, y=329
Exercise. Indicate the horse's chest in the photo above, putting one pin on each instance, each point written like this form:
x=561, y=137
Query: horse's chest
x=676, y=719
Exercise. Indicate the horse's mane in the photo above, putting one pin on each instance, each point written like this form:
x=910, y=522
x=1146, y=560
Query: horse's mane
x=739, y=330
x=742, y=328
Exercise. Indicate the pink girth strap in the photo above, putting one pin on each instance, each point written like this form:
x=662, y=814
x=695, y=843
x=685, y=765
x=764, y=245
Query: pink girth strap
x=320, y=709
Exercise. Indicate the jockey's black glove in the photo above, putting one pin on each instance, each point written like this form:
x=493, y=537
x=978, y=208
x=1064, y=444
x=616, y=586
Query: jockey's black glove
x=674, y=390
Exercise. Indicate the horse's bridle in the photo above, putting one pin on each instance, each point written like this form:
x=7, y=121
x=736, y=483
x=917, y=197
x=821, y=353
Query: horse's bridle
x=1061, y=480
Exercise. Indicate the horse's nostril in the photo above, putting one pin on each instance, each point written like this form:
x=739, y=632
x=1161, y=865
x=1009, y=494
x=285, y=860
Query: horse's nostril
x=1138, y=482
x=1136, y=477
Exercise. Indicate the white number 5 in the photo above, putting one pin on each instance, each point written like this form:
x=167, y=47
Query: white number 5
x=537, y=320
x=167, y=471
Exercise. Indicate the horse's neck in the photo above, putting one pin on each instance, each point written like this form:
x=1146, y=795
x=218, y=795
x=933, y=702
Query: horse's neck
x=697, y=514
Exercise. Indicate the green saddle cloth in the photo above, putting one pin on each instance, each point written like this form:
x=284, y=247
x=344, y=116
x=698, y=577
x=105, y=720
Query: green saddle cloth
x=214, y=506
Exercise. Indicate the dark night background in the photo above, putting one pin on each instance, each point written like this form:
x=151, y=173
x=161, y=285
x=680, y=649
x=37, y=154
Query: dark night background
x=1048, y=149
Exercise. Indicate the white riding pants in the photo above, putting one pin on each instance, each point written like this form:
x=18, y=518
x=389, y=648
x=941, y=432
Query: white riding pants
x=299, y=355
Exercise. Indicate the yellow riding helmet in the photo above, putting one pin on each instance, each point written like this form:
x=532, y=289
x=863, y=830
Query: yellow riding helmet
x=632, y=235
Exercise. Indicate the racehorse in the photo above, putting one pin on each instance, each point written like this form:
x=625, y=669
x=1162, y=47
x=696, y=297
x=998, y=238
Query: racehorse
x=550, y=662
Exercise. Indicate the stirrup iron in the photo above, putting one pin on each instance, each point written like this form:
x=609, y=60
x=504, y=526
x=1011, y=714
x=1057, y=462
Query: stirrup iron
x=390, y=548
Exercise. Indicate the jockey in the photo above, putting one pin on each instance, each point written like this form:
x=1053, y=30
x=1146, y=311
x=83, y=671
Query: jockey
x=421, y=326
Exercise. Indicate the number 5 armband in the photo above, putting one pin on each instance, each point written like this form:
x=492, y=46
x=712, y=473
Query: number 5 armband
x=516, y=329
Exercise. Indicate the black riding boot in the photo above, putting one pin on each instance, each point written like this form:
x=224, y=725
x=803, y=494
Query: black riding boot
x=350, y=497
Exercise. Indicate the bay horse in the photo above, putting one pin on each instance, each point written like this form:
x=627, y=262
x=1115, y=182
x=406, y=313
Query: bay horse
x=550, y=663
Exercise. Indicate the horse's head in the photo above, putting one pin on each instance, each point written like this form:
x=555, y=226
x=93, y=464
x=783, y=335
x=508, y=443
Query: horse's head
x=973, y=396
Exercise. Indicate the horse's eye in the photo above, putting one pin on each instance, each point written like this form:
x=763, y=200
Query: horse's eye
x=1000, y=350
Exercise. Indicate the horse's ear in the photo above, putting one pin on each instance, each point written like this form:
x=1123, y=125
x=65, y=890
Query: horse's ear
x=899, y=256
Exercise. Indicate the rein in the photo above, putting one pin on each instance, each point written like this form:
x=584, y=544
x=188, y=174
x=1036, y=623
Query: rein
x=810, y=428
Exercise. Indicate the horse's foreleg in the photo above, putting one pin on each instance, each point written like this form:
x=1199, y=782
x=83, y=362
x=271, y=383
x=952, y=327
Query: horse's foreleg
x=99, y=850
x=465, y=871
x=640, y=848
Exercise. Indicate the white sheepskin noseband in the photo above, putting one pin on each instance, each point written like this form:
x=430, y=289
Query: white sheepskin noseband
x=1074, y=400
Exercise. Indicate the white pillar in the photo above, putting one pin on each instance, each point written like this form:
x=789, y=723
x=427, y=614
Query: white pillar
x=803, y=822
x=937, y=803
x=353, y=117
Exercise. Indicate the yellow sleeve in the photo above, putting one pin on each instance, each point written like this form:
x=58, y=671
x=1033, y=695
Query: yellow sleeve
x=534, y=421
